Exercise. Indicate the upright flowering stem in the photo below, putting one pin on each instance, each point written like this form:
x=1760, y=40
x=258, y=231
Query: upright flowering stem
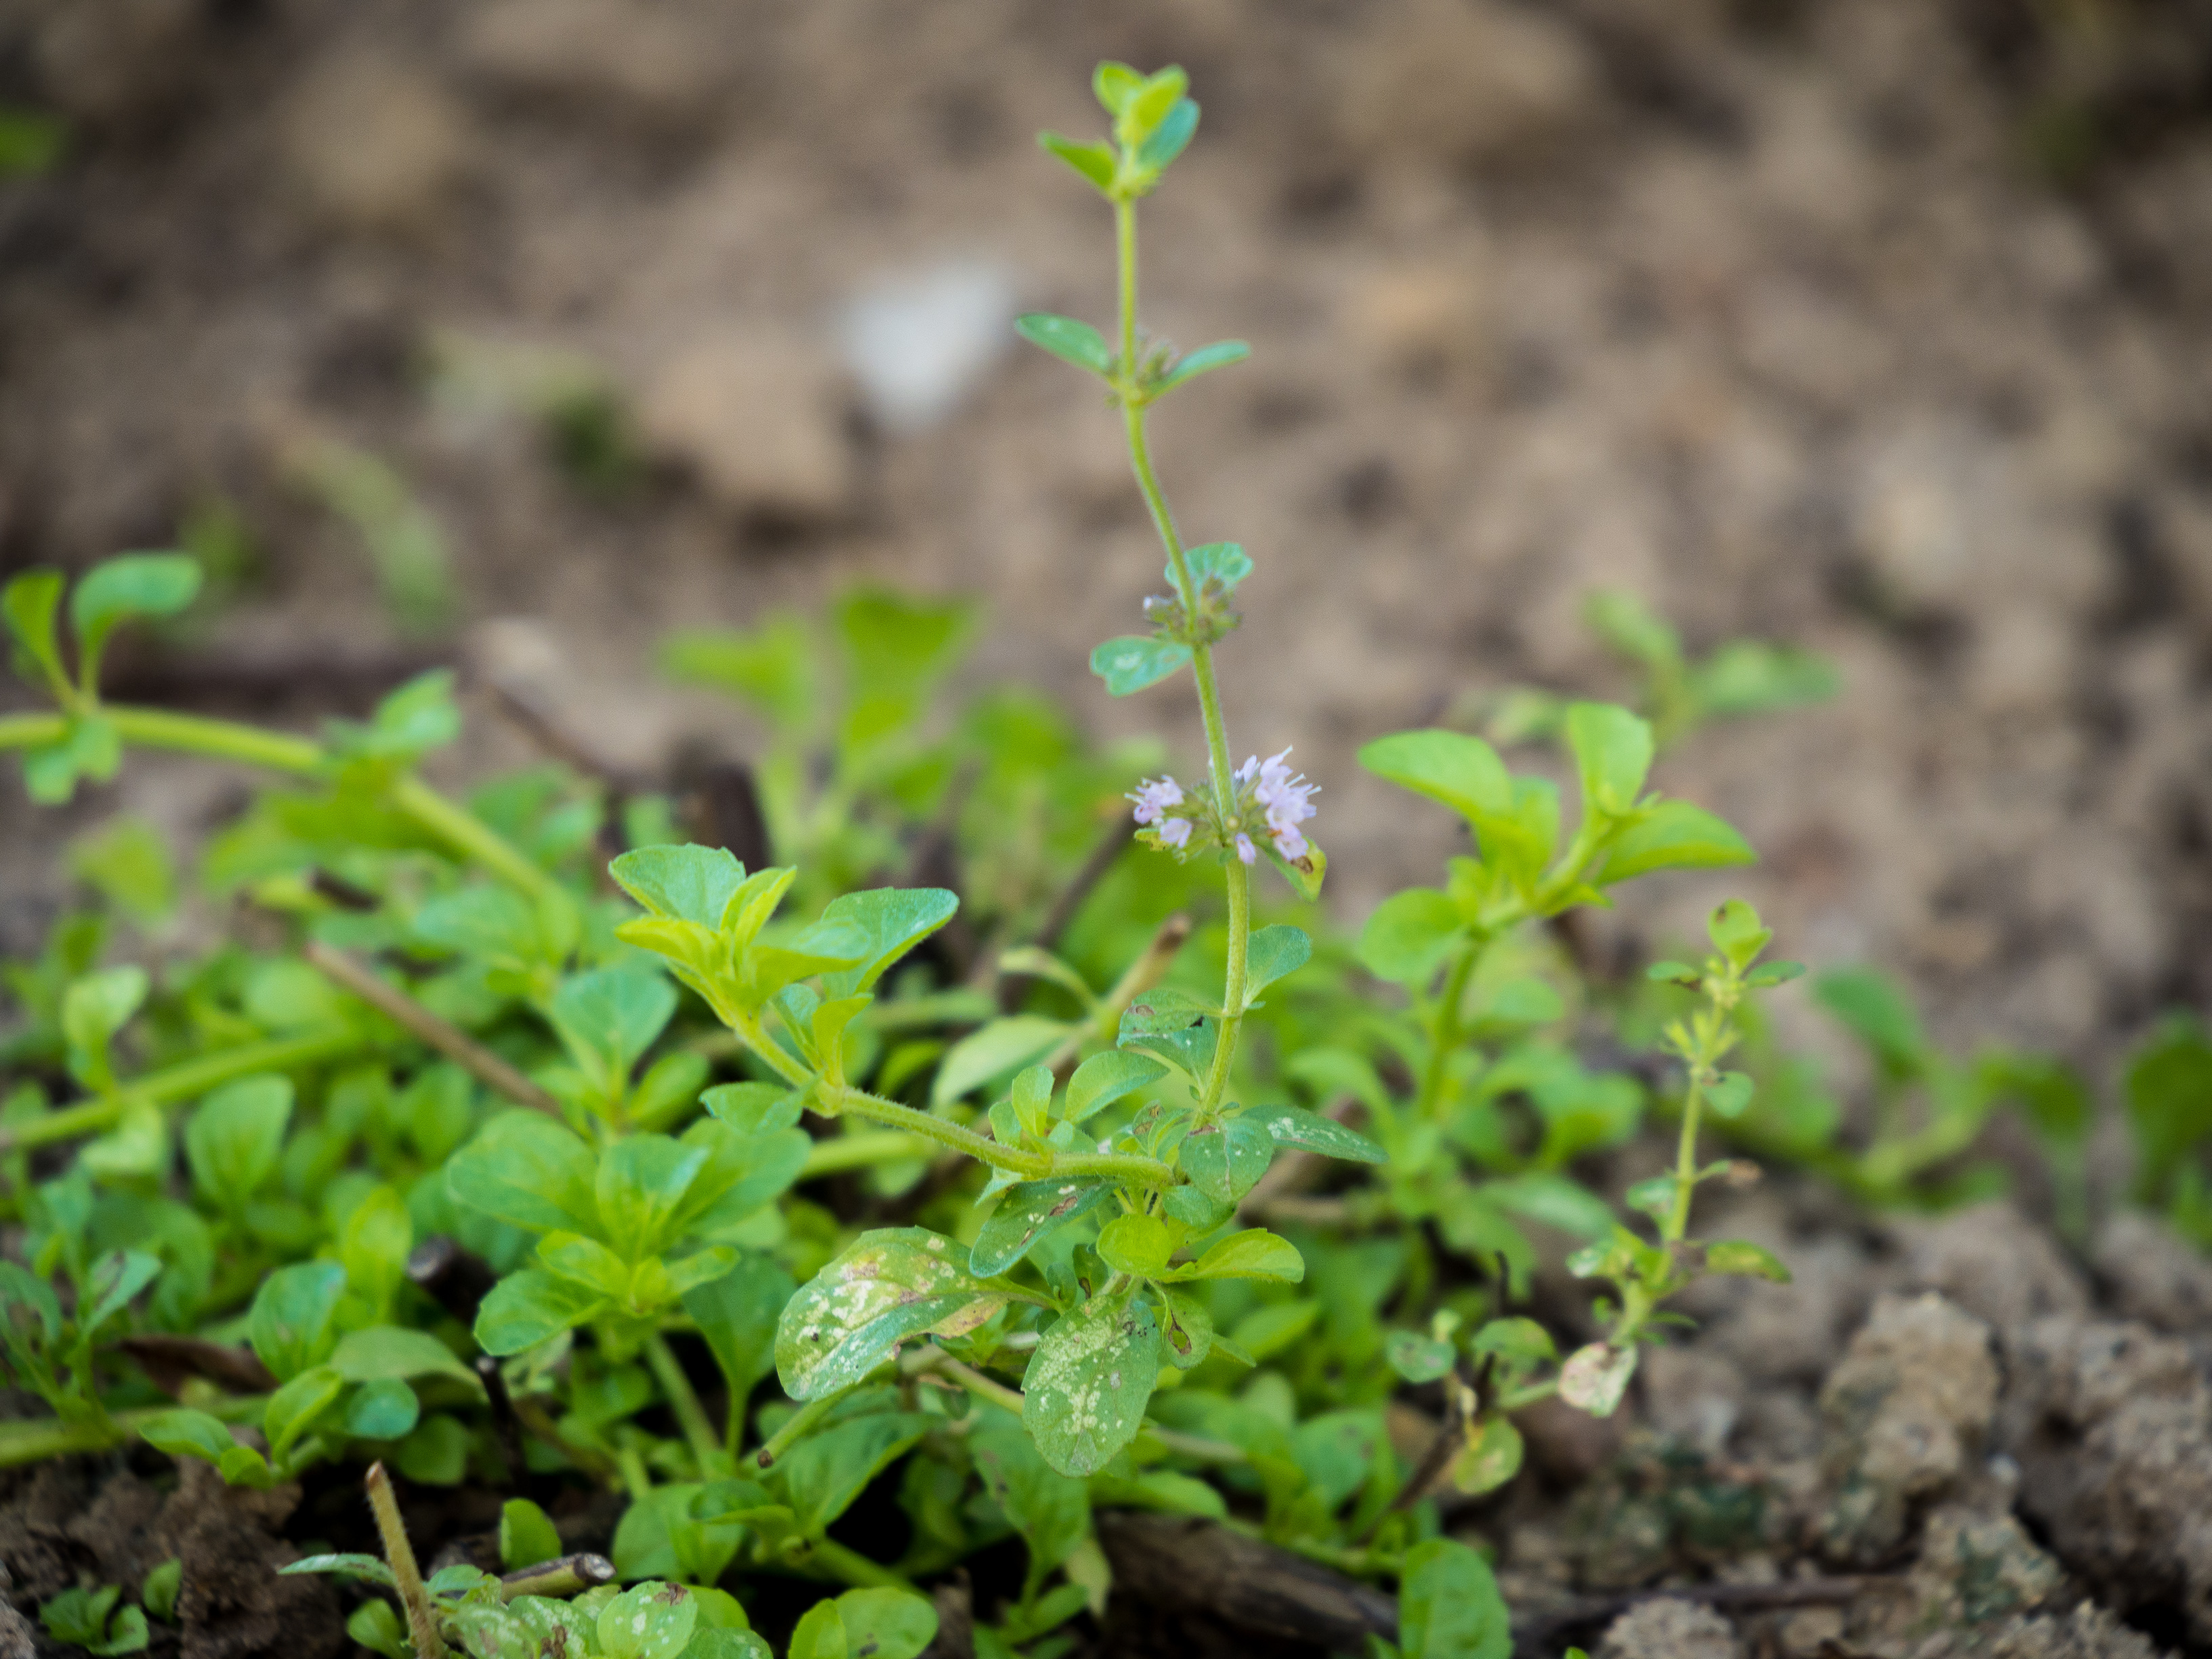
x=1202, y=654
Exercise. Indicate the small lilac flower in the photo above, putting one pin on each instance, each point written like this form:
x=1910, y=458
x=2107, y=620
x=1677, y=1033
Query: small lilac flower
x=1288, y=802
x=1153, y=800
x=1176, y=833
x=1246, y=851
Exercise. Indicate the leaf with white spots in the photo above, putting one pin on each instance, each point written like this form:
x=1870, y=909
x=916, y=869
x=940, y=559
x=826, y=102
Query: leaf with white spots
x=1026, y=1214
x=891, y=1285
x=1308, y=1132
x=1085, y=1395
x=653, y=1620
x=1595, y=1377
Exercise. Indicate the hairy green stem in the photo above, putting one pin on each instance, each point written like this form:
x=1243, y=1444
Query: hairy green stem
x=400, y=1556
x=683, y=1401
x=931, y=1358
x=1201, y=655
x=796, y=1427
x=182, y=1081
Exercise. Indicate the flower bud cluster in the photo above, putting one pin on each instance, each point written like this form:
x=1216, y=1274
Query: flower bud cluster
x=1269, y=802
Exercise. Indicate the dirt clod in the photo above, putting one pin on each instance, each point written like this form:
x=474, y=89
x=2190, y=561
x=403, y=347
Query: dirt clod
x=2111, y=1424
x=1905, y=1414
x=2154, y=1275
x=1669, y=1630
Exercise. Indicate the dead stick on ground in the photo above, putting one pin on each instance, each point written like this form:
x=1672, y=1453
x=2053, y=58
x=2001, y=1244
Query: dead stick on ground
x=448, y=1040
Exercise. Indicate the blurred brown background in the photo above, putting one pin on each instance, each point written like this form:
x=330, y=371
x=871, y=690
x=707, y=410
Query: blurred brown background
x=520, y=331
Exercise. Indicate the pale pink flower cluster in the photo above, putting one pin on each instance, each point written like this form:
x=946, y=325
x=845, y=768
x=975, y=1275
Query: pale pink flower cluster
x=1153, y=799
x=1287, y=801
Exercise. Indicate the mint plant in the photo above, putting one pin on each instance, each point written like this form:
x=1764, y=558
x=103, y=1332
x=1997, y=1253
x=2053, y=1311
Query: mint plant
x=1061, y=1175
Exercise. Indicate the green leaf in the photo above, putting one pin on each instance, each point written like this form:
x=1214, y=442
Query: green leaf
x=116, y=1277
x=1216, y=567
x=1027, y=1213
x=1449, y=1607
x=293, y=1409
x=127, y=862
x=820, y=1634
x=532, y=1306
x=1304, y=1131
x=418, y=717
x=1254, y=1253
x=1880, y=1015
x=526, y=1169
x=1613, y=749
x=234, y=1139
x=1051, y=1511
x=1519, y=1342
x=1189, y=367
x=609, y=1017
x=1224, y=1159
x=890, y=921
x=1188, y=1337
x=690, y=884
x=1768, y=974
x=527, y=1536
x=1729, y=1094
x=1137, y=1244
x=827, y=1471
x=992, y=1051
x=1419, y=1359
x=1745, y=1259
x=1115, y=85
x=650, y=1620
x=381, y=1352
x=1596, y=1375
x=1673, y=973
x=382, y=1411
x=132, y=585
x=1190, y=1048
x=1094, y=161
x=1674, y=835
x=188, y=1434
x=1737, y=933
x=1104, y=1079
x=94, y=1009
x=1272, y=953
x=436, y=1454
x=1304, y=873
x=1066, y=339
x=772, y=667
x=1462, y=772
x=1170, y=137
x=885, y=1623
x=159, y=1591
x=30, y=603
x=753, y=1109
x=736, y=1315
x=368, y=1569
x=290, y=1323
x=1491, y=1456
x=1409, y=934
x=1083, y=1396
x=1142, y=114
x=891, y=1285
x=1133, y=661
x=641, y=1186
x=2167, y=1087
